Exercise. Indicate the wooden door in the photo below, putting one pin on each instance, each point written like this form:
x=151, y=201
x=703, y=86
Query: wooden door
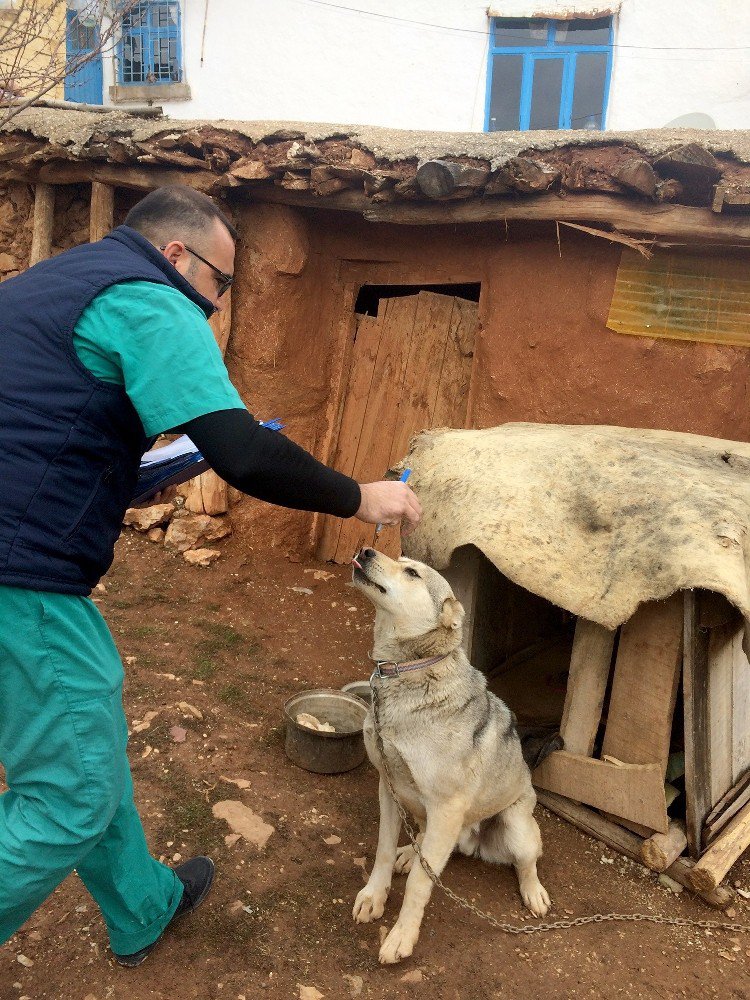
x=410, y=370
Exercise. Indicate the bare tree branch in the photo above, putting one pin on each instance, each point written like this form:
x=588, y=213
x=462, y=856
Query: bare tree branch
x=34, y=59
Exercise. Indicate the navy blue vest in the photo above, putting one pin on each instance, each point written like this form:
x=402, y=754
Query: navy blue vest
x=70, y=444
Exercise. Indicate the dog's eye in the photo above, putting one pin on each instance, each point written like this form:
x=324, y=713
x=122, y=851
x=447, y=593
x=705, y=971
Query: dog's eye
x=412, y=572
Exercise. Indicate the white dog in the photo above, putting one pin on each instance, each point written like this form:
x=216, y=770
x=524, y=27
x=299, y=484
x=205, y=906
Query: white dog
x=452, y=750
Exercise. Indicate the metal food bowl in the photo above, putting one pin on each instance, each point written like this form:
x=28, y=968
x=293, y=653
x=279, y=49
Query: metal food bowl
x=321, y=752
x=360, y=689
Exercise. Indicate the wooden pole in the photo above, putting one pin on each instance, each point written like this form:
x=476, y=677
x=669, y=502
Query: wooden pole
x=44, y=219
x=723, y=853
x=101, y=218
x=663, y=849
x=629, y=844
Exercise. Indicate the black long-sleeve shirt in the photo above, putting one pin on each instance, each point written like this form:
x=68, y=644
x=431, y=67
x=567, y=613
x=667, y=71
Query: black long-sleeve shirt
x=267, y=465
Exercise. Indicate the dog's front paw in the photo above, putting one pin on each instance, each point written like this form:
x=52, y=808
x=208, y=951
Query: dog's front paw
x=399, y=944
x=404, y=859
x=369, y=904
x=537, y=900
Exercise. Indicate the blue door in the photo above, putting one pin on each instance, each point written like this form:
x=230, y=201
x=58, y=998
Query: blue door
x=85, y=83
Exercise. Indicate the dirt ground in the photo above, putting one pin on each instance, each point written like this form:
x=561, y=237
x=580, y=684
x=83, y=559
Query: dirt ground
x=235, y=641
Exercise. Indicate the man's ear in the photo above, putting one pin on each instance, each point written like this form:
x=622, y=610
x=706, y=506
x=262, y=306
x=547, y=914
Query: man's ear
x=452, y=614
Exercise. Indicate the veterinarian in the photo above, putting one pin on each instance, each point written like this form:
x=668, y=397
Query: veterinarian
x=102, y=348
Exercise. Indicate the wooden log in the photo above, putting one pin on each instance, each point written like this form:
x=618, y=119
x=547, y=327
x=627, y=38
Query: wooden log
x=638, y=175
x=722, y=854
x=44, y=220
x=690, y=163
x=628, y=844
x=102, y=212
x=441, y=178
x=633, y=791
x=663, y=849
x=590, y=662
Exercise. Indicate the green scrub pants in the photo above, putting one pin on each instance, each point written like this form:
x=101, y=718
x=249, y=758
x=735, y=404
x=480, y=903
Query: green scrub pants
x=70, y=804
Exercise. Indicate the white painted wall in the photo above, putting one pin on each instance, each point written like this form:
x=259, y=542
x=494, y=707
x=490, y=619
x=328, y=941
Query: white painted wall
x=422, y=64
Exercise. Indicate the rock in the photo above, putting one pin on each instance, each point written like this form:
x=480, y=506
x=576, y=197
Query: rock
x=185, y=706
x=145, y=518
x=309, y=993
x=156, y=535
x=142, y=726
x=332, y=840
x=185, y=532
x=239, y=782
x=178, y=734
x=100, y=588
x=7, y=263
x=244, y=821
x=24, y=961
x=355, y=984
x=231, y=839
x=201, y=557
x=415, y=976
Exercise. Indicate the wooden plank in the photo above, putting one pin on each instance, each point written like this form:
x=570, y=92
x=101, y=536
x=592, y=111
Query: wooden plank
x=722, y=854
x=455, y=374
x=463, y=575
x=628, y=844
x=420, y=387
x=726, y=800
x=712, y=830
x=102, y=211
x=633, y=791
x=720, y=683
x=590, y=662
x=381, y=411
x=740, y=705
x=367, y=333
x=644, y=687
x=695, y=707
x=622, y=213
x=44, y=220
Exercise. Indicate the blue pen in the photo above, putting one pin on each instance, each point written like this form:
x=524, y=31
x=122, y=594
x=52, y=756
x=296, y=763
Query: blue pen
x=402, y=479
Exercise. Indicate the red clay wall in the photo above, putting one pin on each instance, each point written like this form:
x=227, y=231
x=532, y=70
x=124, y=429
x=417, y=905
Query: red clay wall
x=544, y=353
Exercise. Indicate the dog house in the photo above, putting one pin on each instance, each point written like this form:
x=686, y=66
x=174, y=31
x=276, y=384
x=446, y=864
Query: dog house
x=603, y=575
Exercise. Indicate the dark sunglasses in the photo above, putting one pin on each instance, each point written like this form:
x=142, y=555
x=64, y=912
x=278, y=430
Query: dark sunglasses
x=226, y=279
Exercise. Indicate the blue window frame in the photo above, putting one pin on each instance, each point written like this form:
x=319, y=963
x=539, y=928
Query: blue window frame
x=150, y=45
x=548, y=74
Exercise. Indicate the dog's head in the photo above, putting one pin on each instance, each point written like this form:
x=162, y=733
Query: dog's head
x=413, y=602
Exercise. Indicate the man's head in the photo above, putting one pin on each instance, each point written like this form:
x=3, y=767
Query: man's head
x=187, y=226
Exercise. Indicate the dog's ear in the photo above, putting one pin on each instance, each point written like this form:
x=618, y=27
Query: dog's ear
x=452, y=614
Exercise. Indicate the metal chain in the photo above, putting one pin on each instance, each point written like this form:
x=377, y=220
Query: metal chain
x=596, y=918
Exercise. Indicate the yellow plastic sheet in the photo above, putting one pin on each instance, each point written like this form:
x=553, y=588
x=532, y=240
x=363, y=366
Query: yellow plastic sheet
x=683, y=297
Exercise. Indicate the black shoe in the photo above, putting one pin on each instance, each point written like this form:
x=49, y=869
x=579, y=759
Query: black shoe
x=196, y=875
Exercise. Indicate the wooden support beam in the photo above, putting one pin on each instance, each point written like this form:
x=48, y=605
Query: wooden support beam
x=695, y=706
x=590, y=662
x=622, y=213
x=628, y=844
x=722, y=854
x=633, y=791
x=102, y=211
x=663, y=849
x=463, y=576
x=44, y=220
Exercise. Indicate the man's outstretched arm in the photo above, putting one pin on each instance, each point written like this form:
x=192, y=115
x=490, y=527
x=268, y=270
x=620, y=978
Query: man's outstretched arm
x=271, y=467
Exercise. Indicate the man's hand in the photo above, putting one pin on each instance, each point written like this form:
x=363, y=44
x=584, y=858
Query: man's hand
x=389, y=502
